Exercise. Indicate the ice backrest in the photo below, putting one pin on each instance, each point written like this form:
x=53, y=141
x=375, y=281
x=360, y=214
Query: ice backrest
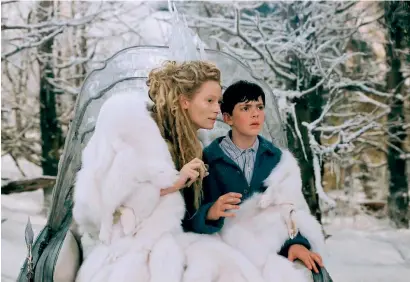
x=131, y=66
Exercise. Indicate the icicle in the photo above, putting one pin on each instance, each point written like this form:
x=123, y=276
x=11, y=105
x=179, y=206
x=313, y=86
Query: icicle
x=29, y=238
x=318, y=183
x=331, y=166
x=183, y=42
x=336, y=171
x=321, y=158
x=298, y=130
x=201, y=45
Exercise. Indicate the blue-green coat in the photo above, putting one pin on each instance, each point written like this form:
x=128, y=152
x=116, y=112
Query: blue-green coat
x=225, y=176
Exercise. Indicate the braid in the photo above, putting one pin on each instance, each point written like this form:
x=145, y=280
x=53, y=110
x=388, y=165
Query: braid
x=166, y=85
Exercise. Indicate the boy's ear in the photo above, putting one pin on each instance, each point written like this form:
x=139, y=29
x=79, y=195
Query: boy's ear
x=227, y=118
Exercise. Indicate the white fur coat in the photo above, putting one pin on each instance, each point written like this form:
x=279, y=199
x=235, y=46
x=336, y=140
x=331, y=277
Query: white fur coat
x=120, y=169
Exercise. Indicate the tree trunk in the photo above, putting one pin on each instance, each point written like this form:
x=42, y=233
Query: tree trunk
x=307, y=109
x=51, y=134
x=398, y=199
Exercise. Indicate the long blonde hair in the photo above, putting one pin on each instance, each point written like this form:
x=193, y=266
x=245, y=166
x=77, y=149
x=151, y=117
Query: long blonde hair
x=166, y=85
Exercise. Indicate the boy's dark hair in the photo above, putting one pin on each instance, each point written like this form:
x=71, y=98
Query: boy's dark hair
x=239, y=92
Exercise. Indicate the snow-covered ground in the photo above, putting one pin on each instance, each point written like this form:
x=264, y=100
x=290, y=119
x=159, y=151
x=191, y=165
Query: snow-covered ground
x=365, y=249
x=360, y=248
x=15, y=210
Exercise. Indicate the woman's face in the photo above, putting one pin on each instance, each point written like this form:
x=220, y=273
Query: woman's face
x=204, y=105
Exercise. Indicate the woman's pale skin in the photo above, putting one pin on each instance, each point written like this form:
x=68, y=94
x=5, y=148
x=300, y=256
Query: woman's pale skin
x=203, y=109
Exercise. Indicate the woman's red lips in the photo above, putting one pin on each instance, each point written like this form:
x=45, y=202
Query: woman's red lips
x=255, y=123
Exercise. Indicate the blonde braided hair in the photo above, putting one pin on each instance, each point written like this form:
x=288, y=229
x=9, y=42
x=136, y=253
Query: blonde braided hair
x=166, y=85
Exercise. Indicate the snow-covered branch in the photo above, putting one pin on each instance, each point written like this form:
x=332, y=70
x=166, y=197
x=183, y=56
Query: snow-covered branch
x=19, y=37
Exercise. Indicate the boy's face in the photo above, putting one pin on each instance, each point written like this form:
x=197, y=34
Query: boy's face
x=247, y=117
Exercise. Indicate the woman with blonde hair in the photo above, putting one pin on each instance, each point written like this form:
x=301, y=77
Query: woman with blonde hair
x=186, y=98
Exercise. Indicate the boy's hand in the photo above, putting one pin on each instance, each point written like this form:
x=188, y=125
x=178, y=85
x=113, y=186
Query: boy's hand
x=307, y=257
x=225, y=202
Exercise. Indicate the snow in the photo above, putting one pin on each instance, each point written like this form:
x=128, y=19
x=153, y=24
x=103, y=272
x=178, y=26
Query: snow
x=361, y=248
x=15, y=209
x=10, y=171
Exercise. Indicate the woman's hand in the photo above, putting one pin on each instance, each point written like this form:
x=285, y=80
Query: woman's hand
x=229, y=201
x=189, y=173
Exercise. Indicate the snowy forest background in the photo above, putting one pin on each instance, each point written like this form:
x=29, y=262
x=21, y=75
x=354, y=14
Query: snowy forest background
x=339, y=70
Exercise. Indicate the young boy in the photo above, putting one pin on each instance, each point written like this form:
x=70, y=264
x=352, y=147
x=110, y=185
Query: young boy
x=238, y=165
